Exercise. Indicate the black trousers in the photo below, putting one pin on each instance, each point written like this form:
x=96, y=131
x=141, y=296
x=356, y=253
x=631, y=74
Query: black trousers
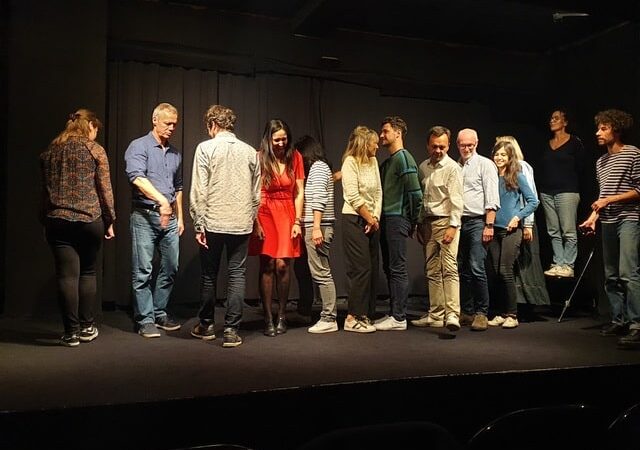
x=75, y=247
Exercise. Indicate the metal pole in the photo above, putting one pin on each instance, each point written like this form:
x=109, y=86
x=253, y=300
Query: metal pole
x=568, y=302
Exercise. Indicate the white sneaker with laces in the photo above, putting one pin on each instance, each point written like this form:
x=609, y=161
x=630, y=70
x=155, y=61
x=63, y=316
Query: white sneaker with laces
x=510, y=322
x=497, y=321
x=552, y=271
x=453, y=324
x=565, y=272
x=390, y=323
x=359, y=325
x=324, y=326
x=427, y=321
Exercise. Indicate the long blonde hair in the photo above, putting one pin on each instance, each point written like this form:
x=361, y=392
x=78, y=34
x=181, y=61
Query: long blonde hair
x=78, y=126
x=358, y=142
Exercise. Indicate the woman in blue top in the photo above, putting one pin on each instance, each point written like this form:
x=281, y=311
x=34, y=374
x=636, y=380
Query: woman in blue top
x=507, y=237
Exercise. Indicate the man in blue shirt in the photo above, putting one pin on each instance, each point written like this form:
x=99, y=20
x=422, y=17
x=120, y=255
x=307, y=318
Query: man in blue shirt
x=154, y=169
x=481, y=201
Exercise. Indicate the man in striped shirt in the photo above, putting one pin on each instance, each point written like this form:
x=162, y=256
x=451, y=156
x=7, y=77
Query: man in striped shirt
x=401, y=200
x=618, y=209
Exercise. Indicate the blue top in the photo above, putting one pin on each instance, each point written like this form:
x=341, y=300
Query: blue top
x=162, y=166
x=510, y=202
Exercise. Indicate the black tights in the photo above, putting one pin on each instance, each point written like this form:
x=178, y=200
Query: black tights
x=75, y=246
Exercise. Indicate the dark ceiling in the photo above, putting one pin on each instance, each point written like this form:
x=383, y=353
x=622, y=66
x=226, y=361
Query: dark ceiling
x=529, y=26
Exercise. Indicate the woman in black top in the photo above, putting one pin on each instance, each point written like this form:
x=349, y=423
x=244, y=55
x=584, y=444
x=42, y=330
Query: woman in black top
x=560, y=194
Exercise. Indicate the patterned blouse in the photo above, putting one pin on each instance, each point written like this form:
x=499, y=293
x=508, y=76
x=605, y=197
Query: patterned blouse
x=76, y=182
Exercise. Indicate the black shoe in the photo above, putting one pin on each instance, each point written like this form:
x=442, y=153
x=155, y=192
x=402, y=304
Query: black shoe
x=203, y=331
x=231, y=338
x=167, y=323
x=269, y=329
x=282, y=325
x=630, y=340
x=149, y=330
x=70, y=340
x=88, y=334
x=613, y=329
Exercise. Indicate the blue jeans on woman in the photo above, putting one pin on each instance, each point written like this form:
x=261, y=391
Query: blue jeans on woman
x=150, y=298
x=561, y=211
x=620, y=246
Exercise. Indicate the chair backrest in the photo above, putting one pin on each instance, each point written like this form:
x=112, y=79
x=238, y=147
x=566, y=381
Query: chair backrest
x=571, y=426
x=412, y=435
x=625, y=428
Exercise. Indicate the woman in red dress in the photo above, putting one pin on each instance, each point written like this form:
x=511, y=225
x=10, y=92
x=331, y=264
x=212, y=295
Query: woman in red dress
x=276, y=235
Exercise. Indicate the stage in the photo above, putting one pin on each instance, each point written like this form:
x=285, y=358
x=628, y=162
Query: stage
x=125, y=391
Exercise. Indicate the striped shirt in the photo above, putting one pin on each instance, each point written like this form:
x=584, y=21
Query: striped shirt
x=618, y=173
x=318, y=195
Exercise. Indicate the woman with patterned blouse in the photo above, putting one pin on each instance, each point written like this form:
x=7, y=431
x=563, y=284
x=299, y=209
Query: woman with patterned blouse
x=77, y=207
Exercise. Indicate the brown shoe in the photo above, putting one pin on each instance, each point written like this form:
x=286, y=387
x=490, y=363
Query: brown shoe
x=480, y=323
x=466, y=319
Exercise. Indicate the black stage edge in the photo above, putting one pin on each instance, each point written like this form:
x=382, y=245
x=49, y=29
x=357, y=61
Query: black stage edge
x=285, y=418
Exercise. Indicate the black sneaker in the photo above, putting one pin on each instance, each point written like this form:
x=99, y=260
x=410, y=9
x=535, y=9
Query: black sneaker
x=231, y=338
x=148, y=330
x=167, y=323
x=613, y=329
x=203, y=331
x=70, y=340
x=88, y=334
x=630, y=340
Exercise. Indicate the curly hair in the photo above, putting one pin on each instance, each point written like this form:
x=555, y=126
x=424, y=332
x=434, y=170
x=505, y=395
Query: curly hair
x=396, y=123
x=220, y=115
x=619, y=121
x=358, y=142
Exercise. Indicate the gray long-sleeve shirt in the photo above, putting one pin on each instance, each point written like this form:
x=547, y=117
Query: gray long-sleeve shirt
x=225, y=185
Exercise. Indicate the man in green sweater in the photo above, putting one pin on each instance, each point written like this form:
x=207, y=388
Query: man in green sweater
x=401, y=200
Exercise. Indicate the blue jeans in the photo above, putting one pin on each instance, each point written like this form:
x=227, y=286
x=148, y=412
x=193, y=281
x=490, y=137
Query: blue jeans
x=472, y=254
x=150, y=297
x=393, y=242
x=620, y=246
x=560, y=211
x=237, y=246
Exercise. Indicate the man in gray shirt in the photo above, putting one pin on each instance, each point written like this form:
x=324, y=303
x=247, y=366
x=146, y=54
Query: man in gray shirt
x=481, y=201
x=224, y=200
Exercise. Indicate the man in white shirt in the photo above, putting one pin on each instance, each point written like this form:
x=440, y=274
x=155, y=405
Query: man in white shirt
x=439, y=221
x=225, y=195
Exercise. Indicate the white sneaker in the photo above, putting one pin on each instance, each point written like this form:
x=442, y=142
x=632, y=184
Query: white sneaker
x=564, y=272
x=359, y=325
x=510, y=322
x=390, y=323
x=453, y=324
x=497, y=321
x=324, y=326
x=553, y=271
x=427, y=321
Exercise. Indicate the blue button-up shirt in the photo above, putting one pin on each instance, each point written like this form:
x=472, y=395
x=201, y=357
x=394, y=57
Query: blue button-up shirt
x=480, y=180
x=162, y=166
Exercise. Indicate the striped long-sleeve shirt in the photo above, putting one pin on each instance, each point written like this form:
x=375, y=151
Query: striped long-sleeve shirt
x=618, y=173
x=318, y=195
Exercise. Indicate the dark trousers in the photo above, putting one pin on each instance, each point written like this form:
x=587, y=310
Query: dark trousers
x=362, y=261
x=503, y=252
x=237, y=246
x=75, y=247
x=394, y=232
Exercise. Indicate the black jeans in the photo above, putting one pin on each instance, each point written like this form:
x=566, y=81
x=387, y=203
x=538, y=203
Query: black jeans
x=503, y=252
x=75, y=247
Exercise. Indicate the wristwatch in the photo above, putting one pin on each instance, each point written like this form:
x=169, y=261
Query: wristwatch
x=489, y=225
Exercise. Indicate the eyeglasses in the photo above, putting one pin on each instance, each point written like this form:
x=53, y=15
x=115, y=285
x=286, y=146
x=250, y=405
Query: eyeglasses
x=462, y=146
x=555, y=119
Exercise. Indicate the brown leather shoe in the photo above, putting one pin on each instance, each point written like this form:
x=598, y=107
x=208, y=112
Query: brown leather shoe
x=466, y=319
x=480, y=323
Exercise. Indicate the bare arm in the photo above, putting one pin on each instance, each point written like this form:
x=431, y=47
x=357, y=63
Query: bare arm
x=149, y=191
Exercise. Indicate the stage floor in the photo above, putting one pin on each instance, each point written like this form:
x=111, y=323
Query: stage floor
x=121, y=368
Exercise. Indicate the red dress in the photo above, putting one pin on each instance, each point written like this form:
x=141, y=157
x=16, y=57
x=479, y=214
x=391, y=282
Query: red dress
x=277, y=213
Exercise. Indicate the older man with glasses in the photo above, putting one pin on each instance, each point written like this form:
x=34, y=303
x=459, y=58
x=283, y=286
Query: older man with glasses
x=481, y=201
